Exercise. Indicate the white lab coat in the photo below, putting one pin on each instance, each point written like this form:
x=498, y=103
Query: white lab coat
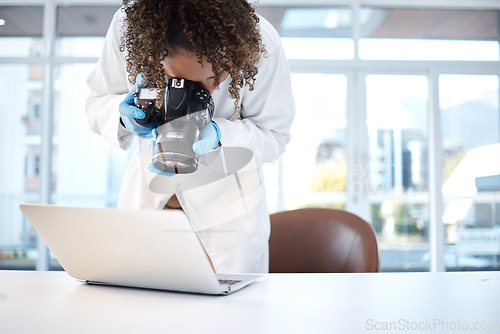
x=238, y=243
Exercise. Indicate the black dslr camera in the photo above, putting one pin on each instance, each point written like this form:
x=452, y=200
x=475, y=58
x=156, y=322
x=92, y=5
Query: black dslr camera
x=185, y=111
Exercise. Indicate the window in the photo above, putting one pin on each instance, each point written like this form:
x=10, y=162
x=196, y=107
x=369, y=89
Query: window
x=315, y=163
x=78, y=182
x=398, y=177
x=470, y=124
x=392, y=62
x=380, y=93
x=49, y=166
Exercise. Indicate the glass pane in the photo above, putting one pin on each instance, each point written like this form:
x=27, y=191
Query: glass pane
x=77, y=181
x=81, y=29
x=21, y=100
x=471, y=170
x=314, y=163
x=21, y=30
x=429, y=34
x=398, y=176
x=312, y=33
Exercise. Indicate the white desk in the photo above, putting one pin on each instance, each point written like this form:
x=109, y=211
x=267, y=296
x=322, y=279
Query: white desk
x=53, y=302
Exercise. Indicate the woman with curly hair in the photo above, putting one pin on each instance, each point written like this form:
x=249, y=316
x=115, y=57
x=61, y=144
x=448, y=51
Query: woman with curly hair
x=222, y=46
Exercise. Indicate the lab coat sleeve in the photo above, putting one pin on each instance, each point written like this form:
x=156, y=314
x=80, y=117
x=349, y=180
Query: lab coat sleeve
x=108, y=84
x=267, y=111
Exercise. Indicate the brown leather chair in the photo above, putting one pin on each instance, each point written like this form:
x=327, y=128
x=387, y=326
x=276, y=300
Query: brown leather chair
x=318, y=240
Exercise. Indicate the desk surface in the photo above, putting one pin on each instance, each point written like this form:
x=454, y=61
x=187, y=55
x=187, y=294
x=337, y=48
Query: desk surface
x=53, y=302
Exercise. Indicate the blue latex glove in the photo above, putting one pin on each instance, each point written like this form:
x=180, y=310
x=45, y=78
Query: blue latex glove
x=210, y=137
x=129, y=111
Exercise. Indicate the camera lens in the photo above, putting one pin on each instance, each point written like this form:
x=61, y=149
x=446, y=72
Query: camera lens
x=167, y=163
x=173, y=152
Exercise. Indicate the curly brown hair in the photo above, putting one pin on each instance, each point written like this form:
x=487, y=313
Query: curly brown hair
x=226, y=32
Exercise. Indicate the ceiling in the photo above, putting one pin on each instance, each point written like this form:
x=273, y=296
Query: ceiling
x=436, y=24
x=377, y=23
x=71, y=20
x=393, y=23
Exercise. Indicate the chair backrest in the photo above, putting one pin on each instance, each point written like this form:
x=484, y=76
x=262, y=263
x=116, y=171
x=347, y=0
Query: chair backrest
x=317, y=240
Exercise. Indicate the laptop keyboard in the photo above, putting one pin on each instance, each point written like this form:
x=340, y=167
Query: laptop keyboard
x=228, y=281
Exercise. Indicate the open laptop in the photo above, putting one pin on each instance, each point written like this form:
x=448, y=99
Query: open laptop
x=156, y=249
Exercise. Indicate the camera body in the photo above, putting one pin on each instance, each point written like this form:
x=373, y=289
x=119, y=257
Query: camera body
x=185, y=111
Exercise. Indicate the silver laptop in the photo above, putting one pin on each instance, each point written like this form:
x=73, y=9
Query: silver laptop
x=156, y=249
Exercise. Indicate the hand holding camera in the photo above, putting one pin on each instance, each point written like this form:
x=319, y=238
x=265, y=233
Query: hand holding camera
x=131, y=115
x=183, y=125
